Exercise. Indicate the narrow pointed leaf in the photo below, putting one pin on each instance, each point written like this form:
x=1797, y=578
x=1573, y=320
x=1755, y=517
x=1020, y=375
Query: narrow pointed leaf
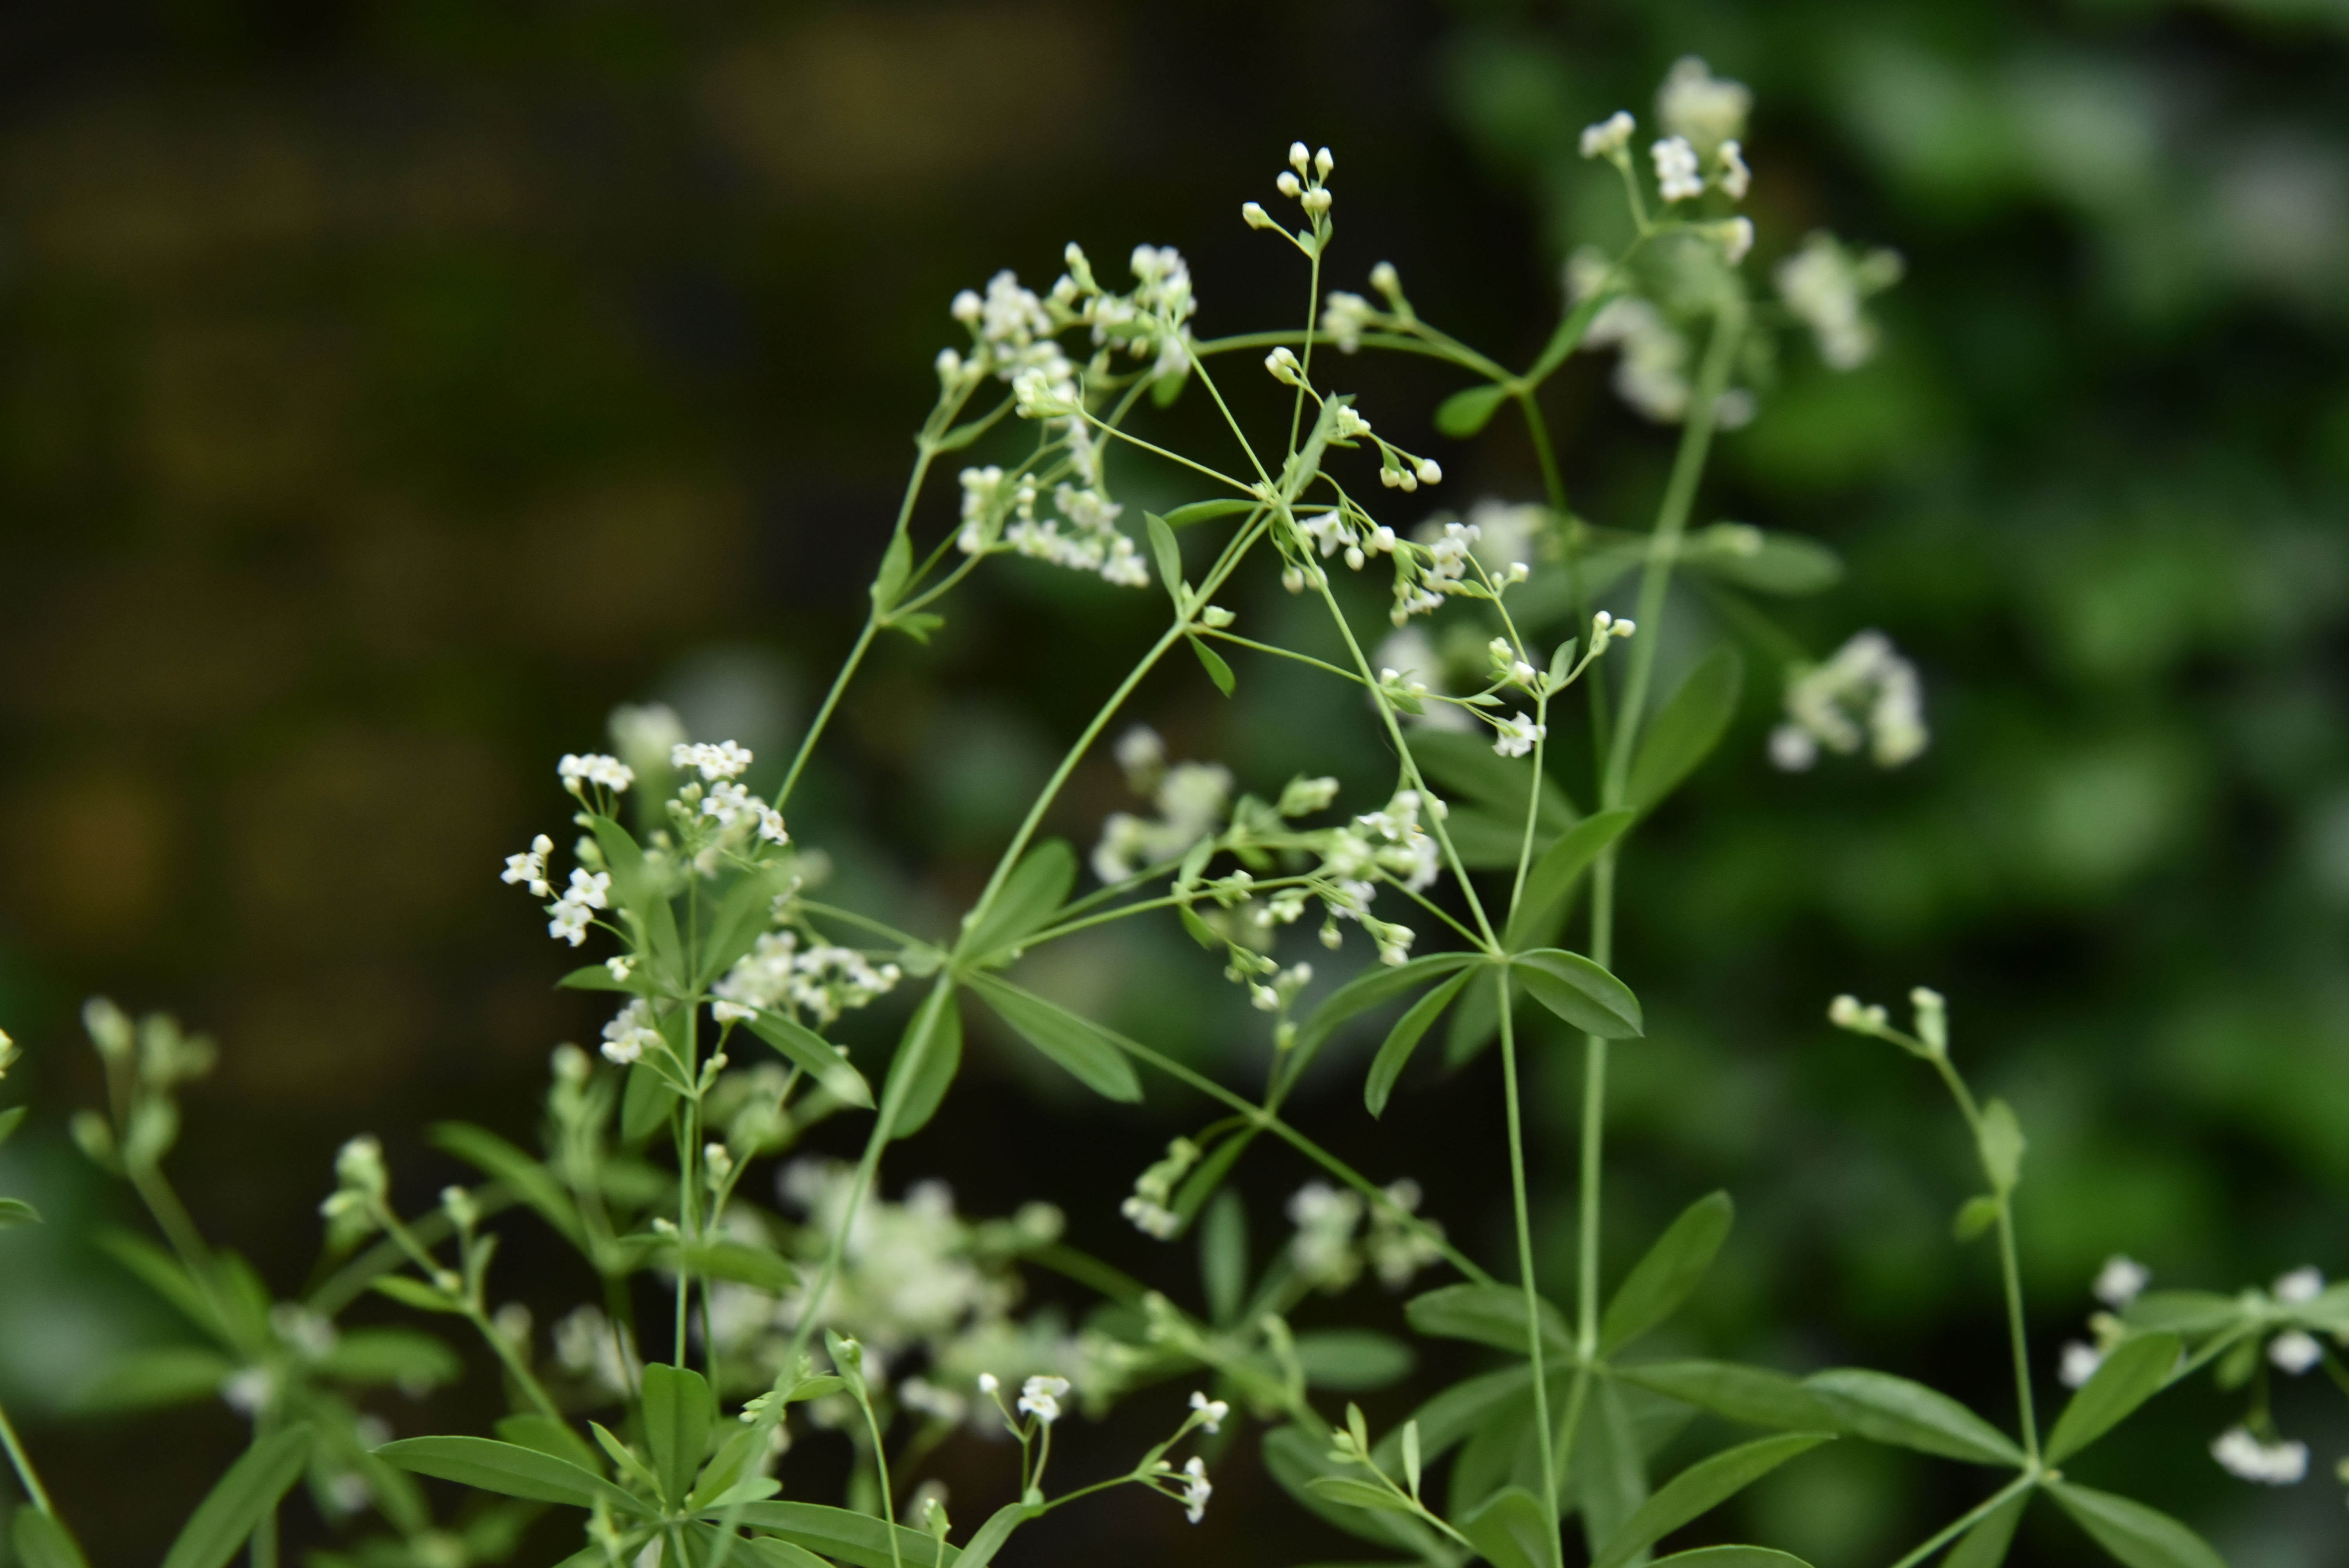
x=508, y=1469
x=240, y=1500
x=928, y=1059
x=1580, y=991
x=2185, y=1311
x=1511, y=1529
x=1369, y=989
x=996, y=1531
x=1296, y=1456
x=1491, y=1315
x=813, y=1055
x=1168, y=555
x=678, y=1409
x=1458, y=1412
x=896, y=565
x=1553, y=876
x=1660, y=1282
x=156, y=1376
x=1404, y=1038
x=1766, y=562
x=1754, y=1395
x=43, y=1542
x=549, y=1436
x=1687, y=727
x=1699, y=1489
x=1732, y=1557
x=855, y=1538
x=1224, y=1257
x=16, y=1212
x=1984, y=1546
x=531, y=1182
x=1887, y=1410
x=1037, y=886
x=1610, y=1465
x=1352, y=1360
x=2133, y=1373
x=1352, y=1491
x=1465, y=766
x=1469, y=410
x=1071, y=1042
x=2135, y=1535
x=1213, y=663
x=752, y=1551
x=9, y=1118
x=1569, y=333
x=1208, y=510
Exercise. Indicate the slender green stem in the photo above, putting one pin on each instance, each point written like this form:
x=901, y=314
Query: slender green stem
x=2010, y=1270
x=23, y=1462
x=1532, y=802
x=881, y=1464
x=1526, y=1280
x=1233, y=637
x=1968, y=1520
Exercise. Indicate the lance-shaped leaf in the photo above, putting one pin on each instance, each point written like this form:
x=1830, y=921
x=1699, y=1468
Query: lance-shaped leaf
x=1369, y=989
x=1455, y=1413
x=1699, y=1489
x=1766, y=562
x=1552, y=877
x=1208, y=510
x=720, y=1258
x=156, y=1376
x=928, y=1056
x=752, y=1551
x=1469, y=410
x=1464, y=766
x=1610, y=1464
x=1754, y=1395
x=2133, y=1373
x=1352, y=1360
x=509, y=1470
x=1570, y=334
x=1224, y=1257
x=996, y=1531
x=1511, y=1529
x=1353, y=1491
x=1732, y=1557
x=1887, y=1410
x=678, y=1409
x=1295, y=1457
x=16, y=1212
x=1687, y=727
x=42, y=1542
x=2186, y=1311
x=408, y=1356
x=634, y=890
x=1661, y=1281
x=896, y=566
x=735, y=924
x=549, y=1436
x=1984, y=1545
x=2135, y=1535
x=1037, y=886
x=813, y=1055
x=1491, y=1315
x=240, y=1500
x=1403, y=1038
x=1074, y=1045
x=531, y=1182
x=1579, y=991
x=1213, y=663
x=1168, y=555
x=837, y=1533
x=10, y=1118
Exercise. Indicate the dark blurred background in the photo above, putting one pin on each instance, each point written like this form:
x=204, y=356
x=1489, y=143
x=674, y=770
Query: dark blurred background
x=386, y=390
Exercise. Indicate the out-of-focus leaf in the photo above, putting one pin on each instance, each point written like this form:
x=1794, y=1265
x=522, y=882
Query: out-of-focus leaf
x=155, y=1376
x=1765, y=562
x=1887, y=1410
x=240, y=1500
x=1296, y=1456
x=1684, y=730
x=2184, y=1312
x=1469, y=410
x=16, y=1212
x=408, y=1356
x=1552, y=877
x=1661, y=1280
x=813, y=1055
x=1352, y=1491
x=1511, y=1529
x=1403, y=1038
x=531, y=1182
x=1037, y=887
x=927, y=1066
x=1352, y=1360
x=1072, y=1042
x=43, y=1542
x=1381, y=983
x=1208, y=510
x=2135, y=1535
x=1754, y=1395
x=2001, y=1144
x=1491, y=1315
x=1609, y=1465
x=1224, y=1256
x=1699, y=1489
x=2131, y=1373
x=1984, y=1546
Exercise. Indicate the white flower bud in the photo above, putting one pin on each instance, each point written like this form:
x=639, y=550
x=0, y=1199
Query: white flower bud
x=1323, y=162
x=1298, y=157
x=1287, y=185
x=1255, y=215
x=1429, y=471
x=1387, y=281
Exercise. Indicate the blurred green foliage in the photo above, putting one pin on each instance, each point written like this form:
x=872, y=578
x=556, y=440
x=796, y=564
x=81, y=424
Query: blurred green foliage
x=386, y=389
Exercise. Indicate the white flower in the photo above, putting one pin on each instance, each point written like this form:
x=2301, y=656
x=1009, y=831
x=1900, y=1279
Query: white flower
x=1823, y=286
x=1040, y=1396
x=1345, y=318
x=2294, y=1351
x=1736, y=237
x=2080, y=1363
x=1515, y=735
x=1735, y=177
x=2272, y=1464
x=1195, y=1490
x=723, y=760
x=1609, y=137
x=732, y=1012
x=621, y=967
x=530, y=866
x=1211, y=1411
x=920, y=1394
x=1322, y=1251
x=2120, y=1281
x=570, y=921
x=2301, y=1285
x=594, y=769
x=626, y=1037
x=1705, y=108
x=249, y=1390
x=1793, y=749
x=1865, y=692
x=1676, y=170
x=989, y=1383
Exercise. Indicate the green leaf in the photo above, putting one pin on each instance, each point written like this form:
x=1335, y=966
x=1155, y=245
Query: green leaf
x=162, y=1273
x=1026, y=901
x=739, y=1261
x=625, y=1458
x=508, y=1469
x=1552, y=877
x=645, y=1105
x=1511, y=1529
x=2001, y=1144
x=1476, y=1020
x=1213, y=663
x=1206, y=510
x=414, y=1293
x=917, y=625
x=896, y=566
x=996, y=1531
x=634, y=888
x=1784, y=563
x=756, y=1550
x=9, y=1118
x=42, y=1542
x=2135, y=1535
x=1975, y=1216
x=1684, y=730
x=408, y=1356
x=531, y=1182
x=16, y=1212
x=156, y=1376
x=1465, y=766
x=928, y=1059
x=1579, y=991
x=240, y=1500
x=1699, y=1489
x=1455, y=1413
x=1169, y=556
x=1352, y=1491
x=1887, y=1410
x=1491, y=1315
x=1754, y=1395
x=855, y=1538
x=1072, y=1043
x=1352, y=1360
x=1732, y=1557
x=1403, y=1039
x=595, y=977
x=549, y=1436
x=1569, y=333
x=2186, y=1311
x=1202, y=1183
x=813, y=1055
x=2133, y=1372
x=1663, y=1279
x=1295, y=1456
x=1469, y=410
x=1379, y=984
x=734, y=927
x=1224, y=1257
x=1610, y=1467
x=678, y=1411
x=1984, y=1546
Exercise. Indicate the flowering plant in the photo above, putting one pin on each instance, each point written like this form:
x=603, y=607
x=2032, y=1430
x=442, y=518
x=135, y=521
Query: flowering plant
x=724, y=1331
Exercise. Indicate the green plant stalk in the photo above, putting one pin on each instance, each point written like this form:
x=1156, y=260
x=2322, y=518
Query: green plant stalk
x=1526, y=1270
x=23, y=1462
x=422, y=1257
x=1972, y=1517
x=2010, y=1270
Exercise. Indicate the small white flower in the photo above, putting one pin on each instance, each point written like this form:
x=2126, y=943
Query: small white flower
x=1211, y=1411
x=1736, y=237
x=967, y=307
x=1609, y=137
x=1676, y=170
x=1514, y=736
x=569, y=923
x=1040, y=1396
x=2120, y=1282
x=723, y=760
x=2080, y=1363
x=1195, y=1490
x=2301, y=1285
x=2271, y=1464
x=621, y=968
x=626, y=1037
x=249, y=1390
x=530, y=866
x=2294, y=1351
x=594, y=769
x=732, y=1012
x=1734, y=179
x=989, y=1383
x=1255, y=216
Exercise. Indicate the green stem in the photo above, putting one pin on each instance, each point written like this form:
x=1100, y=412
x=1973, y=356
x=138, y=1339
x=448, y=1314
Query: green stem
x=2010, y=1270
x=1967, y=1520
x=1526, y=1268
x=24, y=1466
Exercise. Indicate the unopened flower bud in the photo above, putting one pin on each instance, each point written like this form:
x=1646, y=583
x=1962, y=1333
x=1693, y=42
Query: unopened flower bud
x=1298, y=157
x=1323, y=162
x=1287, y=185
x=1255, y=215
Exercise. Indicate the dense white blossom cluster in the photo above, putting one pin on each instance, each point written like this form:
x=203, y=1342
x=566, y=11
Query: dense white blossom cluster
x=1823, y=286
x=1866, y=693
x=1191, y=797
x=820, y=980
x=2281, y=1463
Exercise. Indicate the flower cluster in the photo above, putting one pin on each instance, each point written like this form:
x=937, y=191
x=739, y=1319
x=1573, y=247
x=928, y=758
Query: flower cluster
x=1192, y=798
x=819, y=980
x=1824, y=285
x=1865, y=693
x=1150, y=1206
